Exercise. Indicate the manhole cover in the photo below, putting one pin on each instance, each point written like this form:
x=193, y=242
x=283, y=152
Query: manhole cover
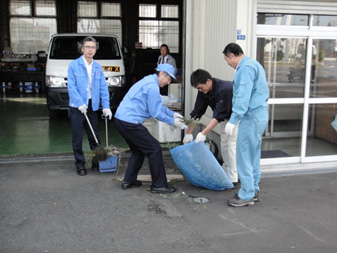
x=201, y=200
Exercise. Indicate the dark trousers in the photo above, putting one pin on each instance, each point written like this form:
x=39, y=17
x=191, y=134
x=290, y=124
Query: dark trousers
x=142, y=144
x=78, y=121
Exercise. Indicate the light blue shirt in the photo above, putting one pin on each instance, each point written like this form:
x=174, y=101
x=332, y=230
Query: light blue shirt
x=250, y=89
x=143, y=101
x=78, y=85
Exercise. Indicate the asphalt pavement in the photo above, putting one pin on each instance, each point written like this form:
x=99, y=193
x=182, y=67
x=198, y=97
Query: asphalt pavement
x=47, y=207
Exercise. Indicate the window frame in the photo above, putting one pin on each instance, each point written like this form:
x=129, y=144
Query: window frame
x=33, y=15
x=100, y=16
x=159, y=19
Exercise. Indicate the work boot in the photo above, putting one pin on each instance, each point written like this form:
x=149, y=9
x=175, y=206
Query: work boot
x=237, y=202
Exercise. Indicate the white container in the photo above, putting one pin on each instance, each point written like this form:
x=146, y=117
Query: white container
x=28, y=87
x=166, y=133
x=148, y=123
x=175, y=89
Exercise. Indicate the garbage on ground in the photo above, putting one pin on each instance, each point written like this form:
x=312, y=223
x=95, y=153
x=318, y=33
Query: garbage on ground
x=200, y=167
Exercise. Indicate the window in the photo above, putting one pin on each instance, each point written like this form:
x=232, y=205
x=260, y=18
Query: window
x=69, y=47
x=300, y=65
x=106, y=21
x=321, y=20
x=159, y=26
x=282, y=19
x=31, y=29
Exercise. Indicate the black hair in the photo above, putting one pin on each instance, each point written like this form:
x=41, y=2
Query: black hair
x=200, y=76
x=167, y=48
x=89, y=38
x=232, y=48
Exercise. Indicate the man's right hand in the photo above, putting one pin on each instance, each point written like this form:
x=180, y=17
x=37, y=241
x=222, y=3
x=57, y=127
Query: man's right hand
x=188, y=138
x=83, y=109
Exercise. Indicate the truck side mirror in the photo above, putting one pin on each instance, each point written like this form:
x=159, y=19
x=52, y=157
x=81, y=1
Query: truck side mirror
x=41, y=56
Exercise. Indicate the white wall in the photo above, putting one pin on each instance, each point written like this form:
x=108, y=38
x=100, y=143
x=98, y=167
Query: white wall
x=210, y=26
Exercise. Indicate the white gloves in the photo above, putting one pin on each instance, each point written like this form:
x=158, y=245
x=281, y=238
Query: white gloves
x=188, y=138
x=177, y=123
x=83, y=109
x=200, y=138
x=229, y=128
x=107, y=113
x=177, y=115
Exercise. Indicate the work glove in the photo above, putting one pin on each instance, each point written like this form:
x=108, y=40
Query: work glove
x=177, y=123
x=200, y=138
x=229, y=128
x=83, y=109
x=107, y=113
x=188, y=138
x=178, y=115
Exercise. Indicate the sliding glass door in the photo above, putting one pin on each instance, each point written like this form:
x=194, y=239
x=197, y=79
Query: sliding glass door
x=300, y=60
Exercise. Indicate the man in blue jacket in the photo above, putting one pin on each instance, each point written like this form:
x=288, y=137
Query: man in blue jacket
x=250, y=108
x=87, y=87
x=141, y=102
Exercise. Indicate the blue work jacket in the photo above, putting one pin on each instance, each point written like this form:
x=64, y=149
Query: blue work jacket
x=250, y=89
x=143, y=101
x=78, y=85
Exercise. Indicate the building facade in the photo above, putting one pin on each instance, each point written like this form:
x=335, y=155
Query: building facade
x=296, y=42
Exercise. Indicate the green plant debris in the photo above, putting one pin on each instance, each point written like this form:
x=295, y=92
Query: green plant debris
x=111, y=151
x=189, y=122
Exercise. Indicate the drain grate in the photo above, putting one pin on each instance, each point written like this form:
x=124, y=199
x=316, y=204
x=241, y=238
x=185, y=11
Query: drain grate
x=201, y=200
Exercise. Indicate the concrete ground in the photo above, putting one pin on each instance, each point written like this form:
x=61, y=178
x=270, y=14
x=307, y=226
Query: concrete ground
x=47, y=207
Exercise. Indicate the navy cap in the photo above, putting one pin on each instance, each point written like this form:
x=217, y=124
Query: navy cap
x=168, y=68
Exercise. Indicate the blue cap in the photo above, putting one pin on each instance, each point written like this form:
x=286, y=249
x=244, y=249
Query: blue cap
x=168, y=68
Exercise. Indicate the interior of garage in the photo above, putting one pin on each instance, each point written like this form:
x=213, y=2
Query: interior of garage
x=26, y=125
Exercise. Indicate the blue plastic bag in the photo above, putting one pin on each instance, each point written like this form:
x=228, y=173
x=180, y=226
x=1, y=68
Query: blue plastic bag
x=200, y=167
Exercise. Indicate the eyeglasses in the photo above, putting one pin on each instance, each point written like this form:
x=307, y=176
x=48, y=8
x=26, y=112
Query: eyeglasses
x=89, y=47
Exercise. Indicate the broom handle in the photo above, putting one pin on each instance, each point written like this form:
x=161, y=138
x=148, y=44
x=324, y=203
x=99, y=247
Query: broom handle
x=106, y=131
x=92, y=130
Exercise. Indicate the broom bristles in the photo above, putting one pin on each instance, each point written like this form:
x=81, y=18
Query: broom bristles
x=101, y=154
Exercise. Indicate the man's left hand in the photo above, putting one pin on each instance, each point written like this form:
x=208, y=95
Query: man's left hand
x=200, y=138
x=107, y=113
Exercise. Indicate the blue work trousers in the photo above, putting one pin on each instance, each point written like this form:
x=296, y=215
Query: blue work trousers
x=142, y=144
x=78, y=121
x=248, y=152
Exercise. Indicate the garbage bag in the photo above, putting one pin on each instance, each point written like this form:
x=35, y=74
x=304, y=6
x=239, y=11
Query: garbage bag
x=199, y=166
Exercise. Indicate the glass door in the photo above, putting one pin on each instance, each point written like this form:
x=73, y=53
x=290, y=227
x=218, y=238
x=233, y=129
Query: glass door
x=301, y=69
x=284, y=61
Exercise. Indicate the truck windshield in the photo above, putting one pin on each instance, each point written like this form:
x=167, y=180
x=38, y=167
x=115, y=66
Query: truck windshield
x=68, y=47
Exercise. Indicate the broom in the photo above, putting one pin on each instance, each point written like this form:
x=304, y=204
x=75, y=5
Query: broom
x=101, y=154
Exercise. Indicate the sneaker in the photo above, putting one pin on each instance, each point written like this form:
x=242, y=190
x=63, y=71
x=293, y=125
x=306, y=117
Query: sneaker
x=256, y=196
x=237, y=202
